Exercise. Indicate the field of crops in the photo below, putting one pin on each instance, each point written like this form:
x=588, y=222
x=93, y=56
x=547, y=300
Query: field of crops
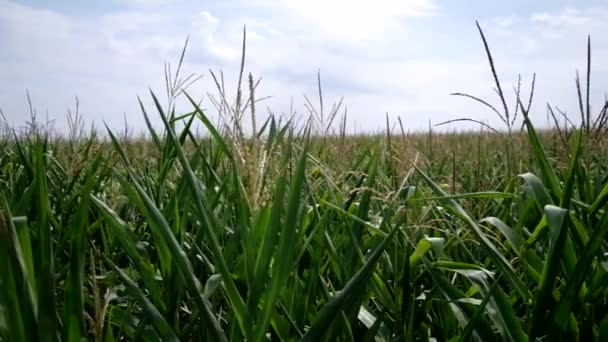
x=294, y=234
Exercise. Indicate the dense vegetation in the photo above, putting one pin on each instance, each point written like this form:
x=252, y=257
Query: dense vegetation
x=294, y=233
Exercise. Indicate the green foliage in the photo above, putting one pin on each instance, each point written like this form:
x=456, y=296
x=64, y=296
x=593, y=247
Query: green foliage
x=287, y=235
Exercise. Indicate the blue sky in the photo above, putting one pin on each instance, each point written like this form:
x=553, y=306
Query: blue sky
x=396, y=56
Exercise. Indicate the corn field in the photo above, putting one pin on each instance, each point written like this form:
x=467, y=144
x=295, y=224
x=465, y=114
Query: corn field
x=291, y=234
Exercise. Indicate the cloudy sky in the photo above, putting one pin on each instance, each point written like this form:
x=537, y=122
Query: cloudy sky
x=402, y=57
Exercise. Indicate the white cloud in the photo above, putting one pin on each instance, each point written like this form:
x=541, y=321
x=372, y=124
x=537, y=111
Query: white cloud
x=353, y=21
x=364, y=51
x=106, y=61
x=148, y=2
x=553, y=44
x=567, y=16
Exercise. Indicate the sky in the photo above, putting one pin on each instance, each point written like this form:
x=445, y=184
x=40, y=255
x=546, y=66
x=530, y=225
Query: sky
x=398, y=57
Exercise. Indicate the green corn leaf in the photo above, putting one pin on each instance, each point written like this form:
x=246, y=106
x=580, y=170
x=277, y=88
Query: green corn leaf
x=119, y=229
x=481, y=194
x=514, y=239
x=538, y=189
x=152, y=314
x=74, y=323
x=495, y=254
x=210, y=224
x=354, y=286
x=558, y=230
x=47, y=308
x=270, y=231
x=162, y=228
x=284, y=250
x=17, y=294
x=499, y=308
x=539, y=152
x=577, y=277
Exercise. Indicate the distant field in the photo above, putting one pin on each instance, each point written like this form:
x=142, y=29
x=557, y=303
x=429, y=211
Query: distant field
x=289, y=235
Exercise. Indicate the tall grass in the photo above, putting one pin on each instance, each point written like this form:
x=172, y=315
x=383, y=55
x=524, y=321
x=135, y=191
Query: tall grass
x=295, y=234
